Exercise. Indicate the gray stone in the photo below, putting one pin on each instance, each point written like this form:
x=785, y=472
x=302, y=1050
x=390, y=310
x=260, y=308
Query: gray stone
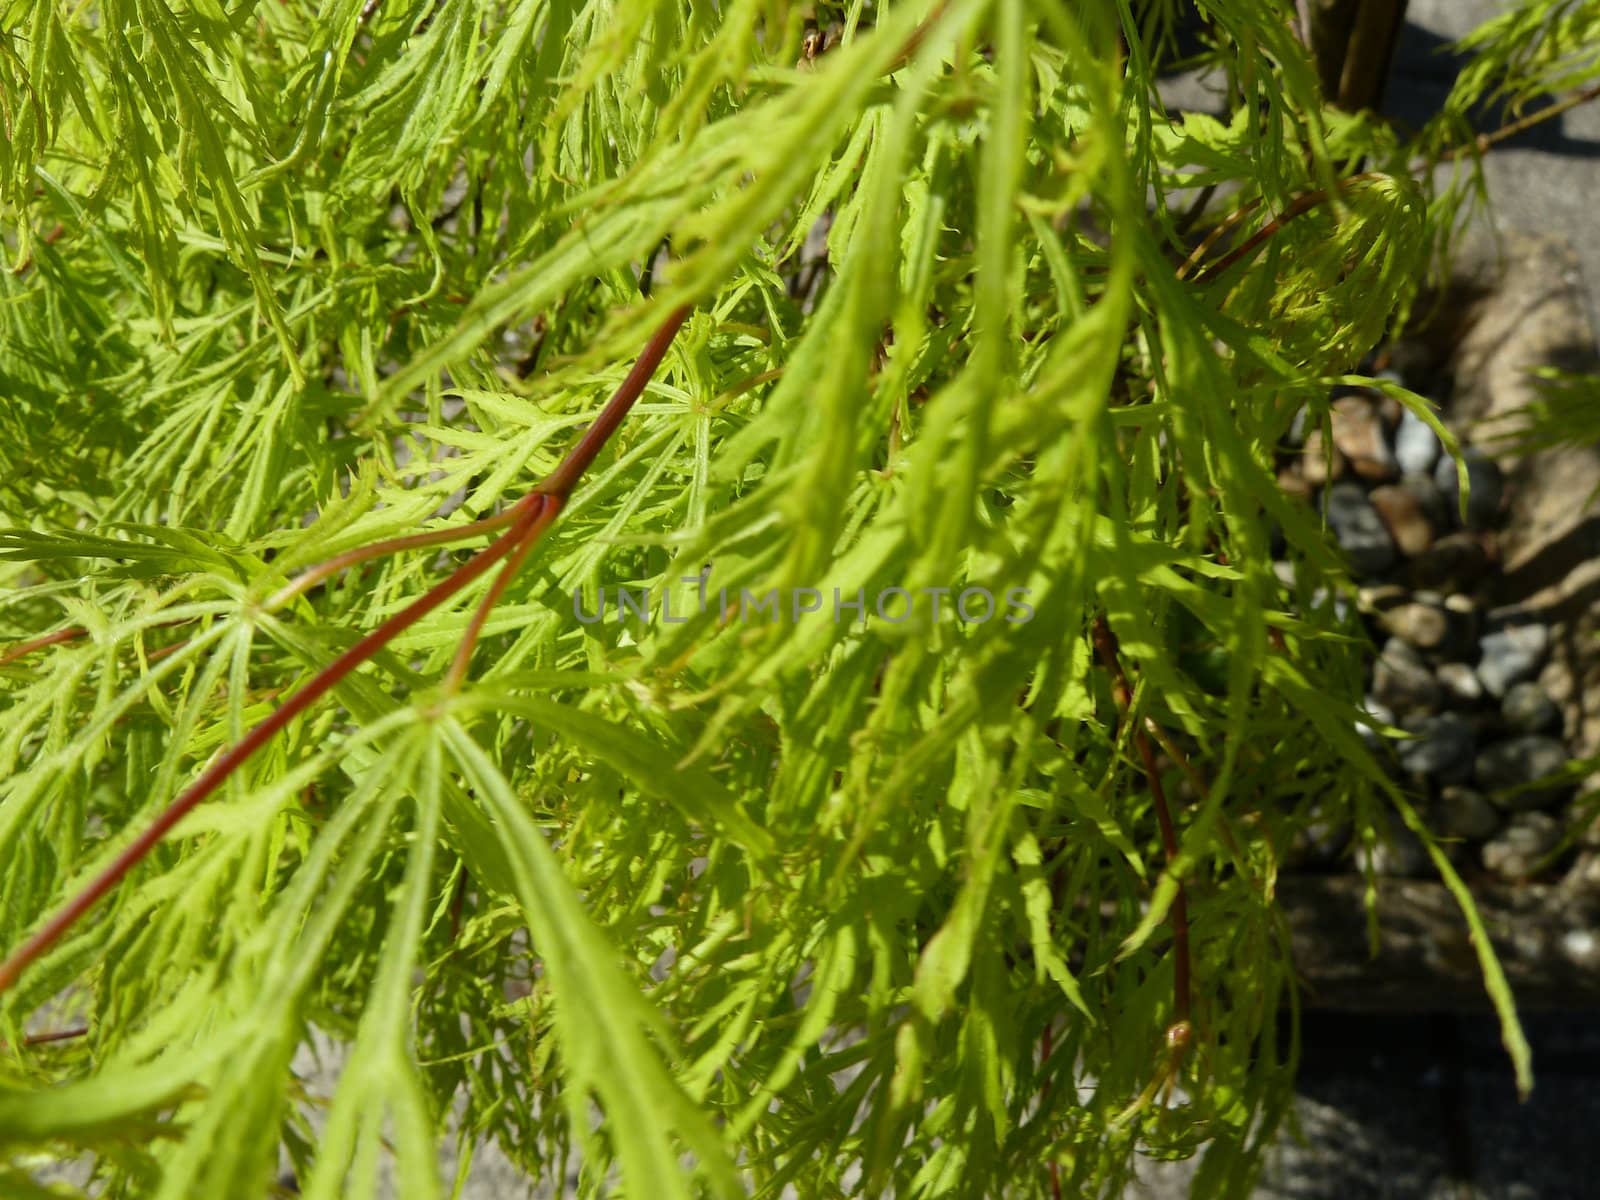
x=1519, y=850
x=1401, y=855
x=1460, y=682
x=1527, y=709
x=1511, y=654
x=1320, y=840
x=1484, y=487
x=1416, y=447
x=1402, y=682
x=1359, y=529
x=1381, y=716
x=1423, y=488
x=1440, y=750
x=1461, y=812
x=1379, y=713
x=1518, y=762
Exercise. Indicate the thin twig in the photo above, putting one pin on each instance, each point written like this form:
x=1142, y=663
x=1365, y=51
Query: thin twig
x=51, y=1036
x=39, y=643
x=1487, y=141
x=1105, y=643
x=528, y=517
x=528, y=532
x=416, y=541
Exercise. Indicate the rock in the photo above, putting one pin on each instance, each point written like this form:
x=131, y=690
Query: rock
x=1403, y=517
x=1359, y=529
x=1320, y=840
x=1461, y=812
x=1400, y=855
x=1518, y=851
x=1416, y=447
x=1402, y=682
x=1358, y=434
x=1380, y=597
x=1433, y=506
x=1454, y=562
x=1425, y=626
x=1326, y=598
x=1511, y=654
x=1381, y=715
x=1523, y=307
x=1518, y=762
x=1527, y=709
x=1299, y=426
x=1460, y=682
x=1315, y=467
x=1441, y=750
x=1295, y=485
x=1484, y=487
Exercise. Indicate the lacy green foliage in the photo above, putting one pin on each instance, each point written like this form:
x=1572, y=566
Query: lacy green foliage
x=697, y=907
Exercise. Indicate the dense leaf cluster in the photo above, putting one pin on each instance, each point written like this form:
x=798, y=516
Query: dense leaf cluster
x=687, y=908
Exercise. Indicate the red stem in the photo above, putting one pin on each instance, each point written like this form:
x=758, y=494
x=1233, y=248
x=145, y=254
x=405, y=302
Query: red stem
x=529, y=530
x=530, y=517
x=1105, y=643
x=564, y=478
x=39, y=643
x=235, y=756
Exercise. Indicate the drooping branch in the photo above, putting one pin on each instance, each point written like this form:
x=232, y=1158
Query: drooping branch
x=529, y=518
x=1105, y=644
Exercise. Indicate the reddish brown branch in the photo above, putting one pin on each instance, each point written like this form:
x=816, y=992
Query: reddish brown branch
x=529, y=518
x=39, y=643
x=51, y=1036
x=1105, y=644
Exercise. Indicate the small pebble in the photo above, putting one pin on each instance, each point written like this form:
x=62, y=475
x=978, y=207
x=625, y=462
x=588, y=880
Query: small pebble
x=1452, y=563
x=1299, y=425
x=1315, y=466
x=1321, y=839
x=1295, y=485
x=1380, y=597
x=1403, y=517
x=1402, y=682
x=1460, y=682
x=1422, y=625
x=1358, y=433
x=1359, y=529
x=1399, y=855
x=1427, y=494
x=1461, y=812
x=1518, y=762
x=1519, y=849
x=1484, y=486
x=1441, y=749
x=1527, y=709
x=1510, y=655
x=1416, y=446
x=1379, y=713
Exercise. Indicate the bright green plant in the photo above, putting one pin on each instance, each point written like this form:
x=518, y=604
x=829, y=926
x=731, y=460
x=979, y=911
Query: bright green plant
x=299, y=294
